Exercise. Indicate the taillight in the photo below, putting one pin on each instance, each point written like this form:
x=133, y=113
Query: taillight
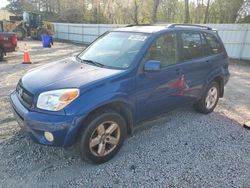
x=14, y=40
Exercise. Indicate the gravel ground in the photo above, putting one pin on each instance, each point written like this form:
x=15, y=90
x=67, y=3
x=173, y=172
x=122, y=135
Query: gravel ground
x=179, y=149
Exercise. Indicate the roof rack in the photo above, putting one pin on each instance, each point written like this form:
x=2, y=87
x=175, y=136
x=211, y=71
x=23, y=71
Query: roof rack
x=189, y=25
x=131, y=25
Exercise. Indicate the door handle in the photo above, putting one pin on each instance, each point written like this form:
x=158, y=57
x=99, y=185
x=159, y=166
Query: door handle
x=178, y=71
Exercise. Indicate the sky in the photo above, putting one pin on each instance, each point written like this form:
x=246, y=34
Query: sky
x=3, y=3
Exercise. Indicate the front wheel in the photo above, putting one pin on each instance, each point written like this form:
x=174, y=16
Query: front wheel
x=40, y=33
x=103, y=137
x=20, y=33
x=210, y=99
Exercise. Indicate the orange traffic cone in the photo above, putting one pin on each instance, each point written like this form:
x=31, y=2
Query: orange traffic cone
x=26, y=56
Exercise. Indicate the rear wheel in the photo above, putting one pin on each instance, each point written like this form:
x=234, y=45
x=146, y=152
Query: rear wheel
x=40, y=33
x=103, y=137
x=20, y=33
x=210, y=99
x=1, y=54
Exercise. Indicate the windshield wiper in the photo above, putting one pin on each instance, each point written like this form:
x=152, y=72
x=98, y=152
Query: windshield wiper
x=92, y=62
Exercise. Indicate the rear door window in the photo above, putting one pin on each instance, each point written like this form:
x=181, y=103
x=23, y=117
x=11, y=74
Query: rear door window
x=214, y=45
x=192, y=46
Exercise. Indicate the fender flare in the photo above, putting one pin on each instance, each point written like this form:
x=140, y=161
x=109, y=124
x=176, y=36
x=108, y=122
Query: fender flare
x=216, y=75
x=112, y=101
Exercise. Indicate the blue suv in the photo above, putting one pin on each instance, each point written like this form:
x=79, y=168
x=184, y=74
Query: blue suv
x=126, y=76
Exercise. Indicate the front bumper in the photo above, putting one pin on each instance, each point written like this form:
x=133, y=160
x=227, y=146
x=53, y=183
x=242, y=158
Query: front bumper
x=64, y=128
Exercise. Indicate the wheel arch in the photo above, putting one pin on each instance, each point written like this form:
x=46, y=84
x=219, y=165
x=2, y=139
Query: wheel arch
x=216, y=76
x=22, y=29
x=40, y=32
x=220, y=81
x=120, y=107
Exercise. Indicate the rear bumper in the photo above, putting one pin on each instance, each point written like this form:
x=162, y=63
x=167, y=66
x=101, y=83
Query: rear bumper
x=64, y=128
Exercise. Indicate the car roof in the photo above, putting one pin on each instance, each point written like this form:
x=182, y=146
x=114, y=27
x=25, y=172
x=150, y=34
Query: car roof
x=142, y=29
x=158, y=28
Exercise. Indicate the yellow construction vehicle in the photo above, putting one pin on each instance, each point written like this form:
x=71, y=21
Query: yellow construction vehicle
x=29, y=25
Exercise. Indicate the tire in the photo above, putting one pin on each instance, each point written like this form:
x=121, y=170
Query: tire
x=1, y=54
x=95, y=140
x=20, y=33
x=206, y=105
x=40, y=33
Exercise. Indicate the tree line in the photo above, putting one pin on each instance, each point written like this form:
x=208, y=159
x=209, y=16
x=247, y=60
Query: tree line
x=137, y=11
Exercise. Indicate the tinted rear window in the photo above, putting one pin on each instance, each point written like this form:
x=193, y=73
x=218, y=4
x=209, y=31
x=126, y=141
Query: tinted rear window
x=191, y=45
x=214, y=45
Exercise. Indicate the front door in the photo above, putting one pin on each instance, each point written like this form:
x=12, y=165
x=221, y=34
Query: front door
x=158, y=92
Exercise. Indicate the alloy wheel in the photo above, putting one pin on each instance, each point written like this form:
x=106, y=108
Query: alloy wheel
x=211, y=98
x=105, y=138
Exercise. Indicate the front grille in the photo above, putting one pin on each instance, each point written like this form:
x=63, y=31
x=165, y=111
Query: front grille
x=26, y=98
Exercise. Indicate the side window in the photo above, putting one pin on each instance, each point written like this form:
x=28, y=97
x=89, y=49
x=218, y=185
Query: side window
x=214, y=45
x=164, y=49
x=192, y=46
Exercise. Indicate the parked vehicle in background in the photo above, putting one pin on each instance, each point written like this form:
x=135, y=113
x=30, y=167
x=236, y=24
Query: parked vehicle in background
x=8, y=42
x=126, y=76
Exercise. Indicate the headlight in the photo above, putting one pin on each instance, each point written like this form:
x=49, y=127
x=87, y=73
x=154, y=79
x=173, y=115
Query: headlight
x=56, y=100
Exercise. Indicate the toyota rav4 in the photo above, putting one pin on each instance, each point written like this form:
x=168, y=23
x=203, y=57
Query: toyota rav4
x=126, y=76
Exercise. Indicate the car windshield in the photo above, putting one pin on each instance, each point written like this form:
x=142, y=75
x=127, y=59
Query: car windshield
x=114, y=50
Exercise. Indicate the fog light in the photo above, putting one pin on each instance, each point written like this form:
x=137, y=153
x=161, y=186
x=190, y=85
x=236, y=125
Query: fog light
x=49, y=136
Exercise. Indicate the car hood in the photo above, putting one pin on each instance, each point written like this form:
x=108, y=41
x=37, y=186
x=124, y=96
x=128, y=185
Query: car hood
x=67, y=73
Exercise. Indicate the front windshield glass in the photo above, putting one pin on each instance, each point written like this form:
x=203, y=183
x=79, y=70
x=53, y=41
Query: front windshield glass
x=115, y=50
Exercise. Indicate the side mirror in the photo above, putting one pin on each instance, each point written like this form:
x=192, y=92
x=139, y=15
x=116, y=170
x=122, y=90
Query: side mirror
x=152, y=66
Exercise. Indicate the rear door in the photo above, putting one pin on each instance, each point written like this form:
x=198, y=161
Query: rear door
x=217, y=53
x=195, y=63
